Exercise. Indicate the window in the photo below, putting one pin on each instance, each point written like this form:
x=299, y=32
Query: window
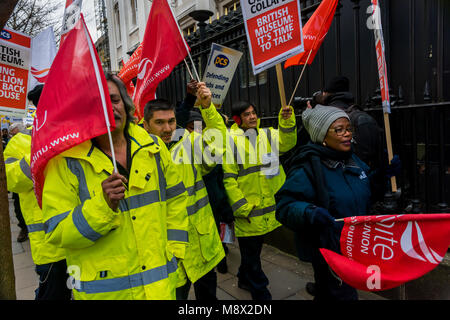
x=117, y=22
x=133, y=12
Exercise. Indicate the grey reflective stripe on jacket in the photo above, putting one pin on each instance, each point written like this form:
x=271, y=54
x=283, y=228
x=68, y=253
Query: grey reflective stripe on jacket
x=238, y=204
x=196, y=187
x=139, y=200
x=10, y=160
x=177, y=235
x=78, y=218
x=256, y=168
x=169, y=193
x=261, y=212
x=287, y=130
x=161, y=178
x=25, y=168
x=36, y=227
x=128, y=282
x=201, y=203
x=53, y=222
x=75, y=167
x=175, y=191
x=83, y=226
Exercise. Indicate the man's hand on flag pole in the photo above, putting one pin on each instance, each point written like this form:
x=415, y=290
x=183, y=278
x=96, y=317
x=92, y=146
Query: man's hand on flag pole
x=192, y=87
x=114, y=190
x=286, y=112
x=204, y=95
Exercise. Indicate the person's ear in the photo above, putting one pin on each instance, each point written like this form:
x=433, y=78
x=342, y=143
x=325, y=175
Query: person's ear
x=146, y=126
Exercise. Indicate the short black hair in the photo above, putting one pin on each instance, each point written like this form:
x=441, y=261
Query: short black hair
x=35, y=94
x=157, y=105
x=239, y=107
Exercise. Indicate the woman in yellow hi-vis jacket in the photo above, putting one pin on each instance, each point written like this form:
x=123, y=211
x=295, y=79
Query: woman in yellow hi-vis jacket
x=252, y=176
x=49, y=259
x=205, y=249
x=123, y=232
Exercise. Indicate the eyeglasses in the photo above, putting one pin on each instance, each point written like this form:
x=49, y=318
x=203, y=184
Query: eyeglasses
x=340, y=131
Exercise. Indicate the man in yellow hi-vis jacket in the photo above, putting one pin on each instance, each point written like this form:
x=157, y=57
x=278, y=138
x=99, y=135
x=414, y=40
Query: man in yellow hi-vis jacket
x=252, y=176
x=123, y=232
x=49, y=259
x=205, y=249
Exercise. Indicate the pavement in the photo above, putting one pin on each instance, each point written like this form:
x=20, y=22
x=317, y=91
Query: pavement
x=287, y=275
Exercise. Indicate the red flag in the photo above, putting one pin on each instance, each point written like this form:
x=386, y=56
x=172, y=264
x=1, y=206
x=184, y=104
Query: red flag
x=129, y=83
x=163, y=48
x=74, y=104
x=314, y=32
x=71, y=16
x=130, y=68
x=130, y=88
x=383, y=252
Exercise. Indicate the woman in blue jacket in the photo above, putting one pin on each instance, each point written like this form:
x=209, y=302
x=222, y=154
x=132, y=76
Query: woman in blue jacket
x=326, y=181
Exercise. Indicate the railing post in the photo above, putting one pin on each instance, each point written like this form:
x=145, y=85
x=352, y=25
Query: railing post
x=357, y=43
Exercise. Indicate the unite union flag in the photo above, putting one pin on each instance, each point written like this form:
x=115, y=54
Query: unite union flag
x=163, y=48
x=71, y=15
x=74, y=105
x=383, y=252
x=130, y=68
x=314, y=32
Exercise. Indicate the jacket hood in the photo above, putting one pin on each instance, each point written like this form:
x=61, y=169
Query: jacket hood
x=340, y=100
x=312, y=149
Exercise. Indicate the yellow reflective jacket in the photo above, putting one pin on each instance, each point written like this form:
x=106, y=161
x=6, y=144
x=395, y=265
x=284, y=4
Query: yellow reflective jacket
x=194, y=156
x=18, y=177
x=128, y=254
x=253, y=174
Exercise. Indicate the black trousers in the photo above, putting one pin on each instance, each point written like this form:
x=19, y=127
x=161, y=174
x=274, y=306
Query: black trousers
x=328, y=286
x=18, y=212
x=250, y=271
x=53, y=281
x=204, y=288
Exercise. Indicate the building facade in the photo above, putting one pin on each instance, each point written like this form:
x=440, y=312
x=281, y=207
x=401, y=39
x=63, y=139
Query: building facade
x=127, y=20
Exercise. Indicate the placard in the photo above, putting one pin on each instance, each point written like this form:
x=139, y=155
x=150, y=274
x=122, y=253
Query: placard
x=274, y=31
x=15, y=54
x=222, y=64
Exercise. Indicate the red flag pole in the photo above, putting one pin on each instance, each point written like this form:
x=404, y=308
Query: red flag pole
x=185, y=45
x=193, y=65
x=188, y=69
x=299, y=78
x=382, y=74
x=102, y=93
x=307, y=60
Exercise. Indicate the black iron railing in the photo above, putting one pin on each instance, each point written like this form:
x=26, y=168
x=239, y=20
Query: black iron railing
x=417, y=40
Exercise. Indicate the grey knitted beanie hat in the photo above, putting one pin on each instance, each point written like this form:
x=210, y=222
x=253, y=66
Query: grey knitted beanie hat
x=318, y=120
